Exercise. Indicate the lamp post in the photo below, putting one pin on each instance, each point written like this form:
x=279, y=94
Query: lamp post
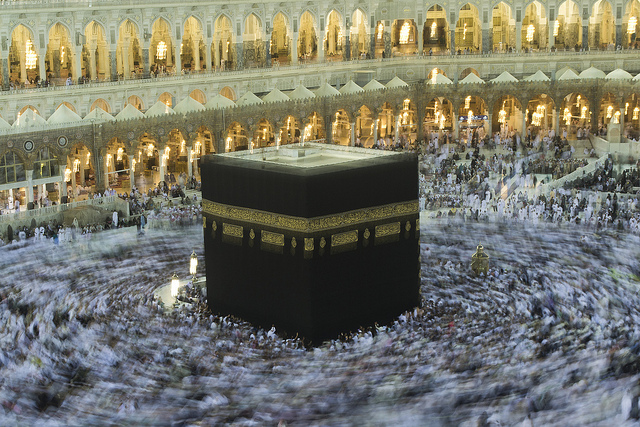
x=175, y=284
x=193, y=266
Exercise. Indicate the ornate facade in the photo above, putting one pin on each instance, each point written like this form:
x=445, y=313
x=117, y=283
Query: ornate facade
x=63, y=67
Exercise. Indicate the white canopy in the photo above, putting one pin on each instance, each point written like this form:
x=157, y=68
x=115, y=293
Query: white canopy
x=63, y=114
x=99, y=114
x=327, y=90
x=129, y=112
x=350, y=87
x=440, y=79
x=29, y=118
x=275, y=95
x=159, y=109
x=188, y=105
x=219, y=102
x=4, y=124
x=301, y=92
x=396, y=82
x=592, y=73
x=471, y=78
x=568, y=75
x=249, y=99
x=504, y=77
x=373, y=85
x=538, y=76
x=619, y=74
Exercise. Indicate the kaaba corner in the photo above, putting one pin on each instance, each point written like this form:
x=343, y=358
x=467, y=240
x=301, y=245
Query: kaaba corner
x=317, y=239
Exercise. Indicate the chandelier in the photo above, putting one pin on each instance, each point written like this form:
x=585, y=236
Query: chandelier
x=530, y=32
x=405, y=30
x=556, y=29
x=636, y=112
x=567, y=116
x=434, y=27
x=76, y=165
x=161, y=50
x=631, y=27
x=31, y=57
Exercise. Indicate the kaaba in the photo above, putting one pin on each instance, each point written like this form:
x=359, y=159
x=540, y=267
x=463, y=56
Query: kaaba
x=314, y=239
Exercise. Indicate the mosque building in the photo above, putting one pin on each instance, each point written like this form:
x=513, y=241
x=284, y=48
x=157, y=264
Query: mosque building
x=101, y=94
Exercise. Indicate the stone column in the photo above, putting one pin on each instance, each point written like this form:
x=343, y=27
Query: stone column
x=552, y=39
x=207, y=56
x=621, y=123
x=294, y=48
x=375, y=128
x=5, y=68
x=489, y=124
x=106, y=170
x=320, y=46
x=216, y=54
x=93, y=68
x=189, y=162
x=618, y=34
x=126, y=73
x=556, y=120
x=387, y=42
x=63, y=189
x=29, y=185
x=81, y=174
x=132, y=177
x=456, y=126
x=73, y=179
x=178, y=62
x=42, y=69
x=328, y=128
x=397, y=128
x=453, y=41
x=196, y=57
x=353, y=134
x=77, y=64
x=518, y=36
x=420, y=39
x=98, y=164
x=114, y=65
x=487, y=40
x=346, y=48
x=585, y=34
x=145, y=61
x=267, y=50
x=239, y=59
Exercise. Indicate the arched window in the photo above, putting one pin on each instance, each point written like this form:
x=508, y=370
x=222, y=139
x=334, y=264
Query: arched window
x=11, y=169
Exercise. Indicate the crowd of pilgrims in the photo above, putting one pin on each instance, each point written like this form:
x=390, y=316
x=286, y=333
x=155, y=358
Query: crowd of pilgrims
x=154, y=208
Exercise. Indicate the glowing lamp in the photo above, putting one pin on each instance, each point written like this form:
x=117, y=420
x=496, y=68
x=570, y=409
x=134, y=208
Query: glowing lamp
x=175, y=284
x=193, y=265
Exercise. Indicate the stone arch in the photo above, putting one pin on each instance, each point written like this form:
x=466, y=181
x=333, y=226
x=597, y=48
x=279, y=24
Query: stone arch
x=199, y=96
x=334, y=34
x=264, y=135
x=236, y=137
x=95, y=52
x=280, y=45
x=315, y=127
x=507, y=115
x=575, y=112
x=535, y=33
x=359, y=38
x=68, y=105
x=28, y=107
x=253, y=47
x=192, y=49
x=602, y=26
x=436, y=35
x=117, y=167
x=162, y=55
x=568, y=27
x=289, y=131
x=365, y=127
x=632, y=115
x=464, y=73
x=404, y=37
x=341, y=128
x=80, y=170
x=609, y=109
x=229, y=93
x=136, y=101
x=100, y=102
x=167, y=99
x=434, y=71
x=503, y=28
x=386, y=122
x=468, y=33
x=307, y=37
x=630, y=25
x=129, y=61
x=438, y=117
x=224, y=48
x=24, y=64
x=60, y=54
x=540, y=115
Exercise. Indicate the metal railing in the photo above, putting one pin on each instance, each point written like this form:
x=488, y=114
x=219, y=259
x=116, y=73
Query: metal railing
x=50, y=210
